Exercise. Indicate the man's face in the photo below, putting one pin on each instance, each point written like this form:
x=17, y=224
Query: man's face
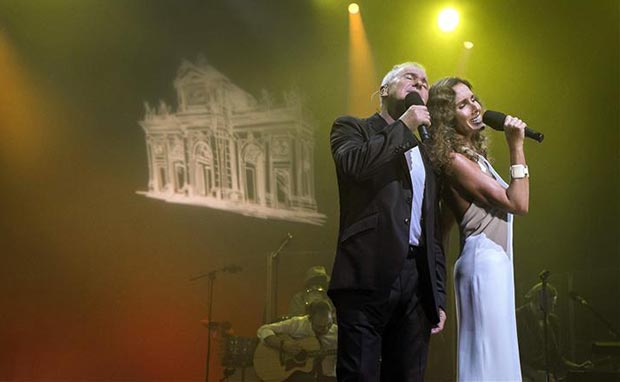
x=321, y=323
x=316, y=283
x=410, y=79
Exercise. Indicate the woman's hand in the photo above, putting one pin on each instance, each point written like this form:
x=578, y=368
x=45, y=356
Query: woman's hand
x=514, y=129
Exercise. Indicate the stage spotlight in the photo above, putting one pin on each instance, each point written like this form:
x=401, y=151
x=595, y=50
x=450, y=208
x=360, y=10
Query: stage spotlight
x=468, y=44
x=354, y=8
x=448, y=19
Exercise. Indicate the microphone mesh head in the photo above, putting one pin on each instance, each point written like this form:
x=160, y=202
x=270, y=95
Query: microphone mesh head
x=413, y=98
x=494, y=119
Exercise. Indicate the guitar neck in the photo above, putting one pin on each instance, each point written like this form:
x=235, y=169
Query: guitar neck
x=322, y=353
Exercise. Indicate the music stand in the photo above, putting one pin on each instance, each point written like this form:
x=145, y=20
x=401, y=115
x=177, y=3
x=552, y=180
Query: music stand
x=238, y=354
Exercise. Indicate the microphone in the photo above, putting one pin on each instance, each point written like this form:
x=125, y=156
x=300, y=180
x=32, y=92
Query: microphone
x=495, y=120
x=414, y=98
x=285, y=241
x=234, y=268
x=578, y=298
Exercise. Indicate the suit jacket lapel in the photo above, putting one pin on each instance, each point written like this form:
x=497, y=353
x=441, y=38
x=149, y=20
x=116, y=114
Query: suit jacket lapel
x=429, y=182
x=403, y=160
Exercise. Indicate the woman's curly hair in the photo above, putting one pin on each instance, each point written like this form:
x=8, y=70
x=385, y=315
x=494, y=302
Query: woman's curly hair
x=444, y=138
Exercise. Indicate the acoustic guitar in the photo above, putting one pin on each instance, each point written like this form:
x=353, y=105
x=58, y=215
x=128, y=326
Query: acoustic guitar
x=274, y=365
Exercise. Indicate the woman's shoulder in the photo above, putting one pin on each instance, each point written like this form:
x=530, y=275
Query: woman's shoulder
x=462, y=168
x=460, y=161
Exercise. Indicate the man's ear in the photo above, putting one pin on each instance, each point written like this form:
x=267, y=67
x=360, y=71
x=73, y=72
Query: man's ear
x=383, y=91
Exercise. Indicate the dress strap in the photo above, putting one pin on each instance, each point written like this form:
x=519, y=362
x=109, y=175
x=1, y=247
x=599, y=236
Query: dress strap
x=482, y=161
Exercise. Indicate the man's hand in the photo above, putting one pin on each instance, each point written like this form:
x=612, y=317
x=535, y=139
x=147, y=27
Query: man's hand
x=439, y=326
x=415, y=116
x=291, y=347
x=585, y=365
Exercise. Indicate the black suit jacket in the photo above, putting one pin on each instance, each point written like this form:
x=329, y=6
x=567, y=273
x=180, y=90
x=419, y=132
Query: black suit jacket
x=375, y=209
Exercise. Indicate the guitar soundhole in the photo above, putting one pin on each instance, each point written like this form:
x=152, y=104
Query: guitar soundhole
x=301, y=356
x=298, y=360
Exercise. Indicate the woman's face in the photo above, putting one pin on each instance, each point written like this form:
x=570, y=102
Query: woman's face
x=468, y=110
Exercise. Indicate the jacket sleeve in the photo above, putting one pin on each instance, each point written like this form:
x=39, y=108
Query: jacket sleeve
x=440, y=262
x=440, y=269
x=359, y=155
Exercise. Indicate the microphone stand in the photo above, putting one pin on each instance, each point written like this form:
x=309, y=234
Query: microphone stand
x=601, y=318
x=544, y=275
x=210, y=325
x=272, y=274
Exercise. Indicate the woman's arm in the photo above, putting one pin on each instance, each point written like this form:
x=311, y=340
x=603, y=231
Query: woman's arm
x=468, y=178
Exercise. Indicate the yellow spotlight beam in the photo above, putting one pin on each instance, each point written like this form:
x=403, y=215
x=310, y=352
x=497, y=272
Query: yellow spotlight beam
x=24, y=113
x=461, y=67
x=362, y=75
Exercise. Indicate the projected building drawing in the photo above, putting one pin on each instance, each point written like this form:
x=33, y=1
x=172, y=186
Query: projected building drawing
x=223, y=148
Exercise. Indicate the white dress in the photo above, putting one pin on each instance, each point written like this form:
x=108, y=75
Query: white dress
x=488, y=349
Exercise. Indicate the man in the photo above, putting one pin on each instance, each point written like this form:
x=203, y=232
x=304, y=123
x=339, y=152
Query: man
x=289, y=338
x=530, y=329
x=389, y=273
x=315, y=287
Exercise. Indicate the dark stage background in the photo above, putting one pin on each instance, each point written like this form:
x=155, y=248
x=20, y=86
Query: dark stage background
x=94, y=278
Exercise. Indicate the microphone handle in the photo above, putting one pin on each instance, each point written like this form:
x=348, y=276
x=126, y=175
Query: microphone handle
x=535, y=135
x=423, y=131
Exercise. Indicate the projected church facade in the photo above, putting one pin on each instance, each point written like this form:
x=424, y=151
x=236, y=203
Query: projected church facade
x=223, y=148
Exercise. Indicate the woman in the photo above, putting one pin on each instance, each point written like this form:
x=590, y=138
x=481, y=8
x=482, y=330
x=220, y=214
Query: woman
x=482, y=204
